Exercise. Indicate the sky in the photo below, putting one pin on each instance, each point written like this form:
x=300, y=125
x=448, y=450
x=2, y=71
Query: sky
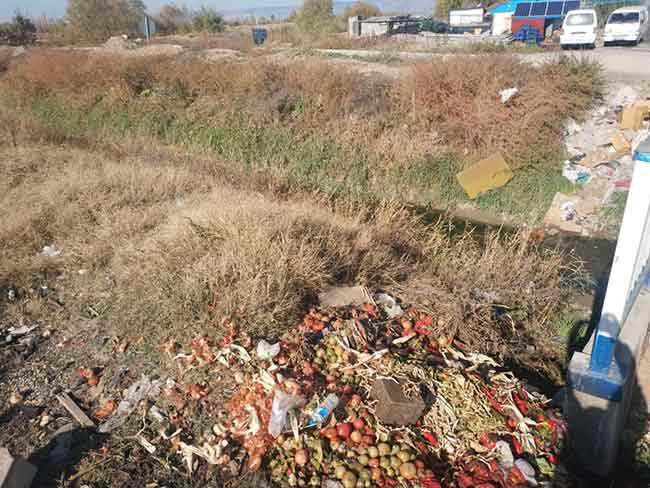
x=56, y=8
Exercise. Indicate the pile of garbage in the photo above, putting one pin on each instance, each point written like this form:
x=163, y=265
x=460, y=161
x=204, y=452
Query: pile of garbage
x=601, y=162
x=366, y=395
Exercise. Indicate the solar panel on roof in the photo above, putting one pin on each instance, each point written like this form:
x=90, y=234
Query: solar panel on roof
x=522, y=10
x=568, y=6
x=539, y=8
x=555, y=8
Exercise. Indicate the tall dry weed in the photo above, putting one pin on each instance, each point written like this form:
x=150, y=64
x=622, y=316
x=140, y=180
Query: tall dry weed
x=458, y=98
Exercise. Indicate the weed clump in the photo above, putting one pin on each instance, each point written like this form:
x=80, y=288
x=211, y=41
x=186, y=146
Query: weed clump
x=459, y=99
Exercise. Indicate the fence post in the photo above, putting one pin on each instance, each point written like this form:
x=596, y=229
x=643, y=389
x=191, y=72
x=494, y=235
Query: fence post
x=601, y=382
x=630, y=260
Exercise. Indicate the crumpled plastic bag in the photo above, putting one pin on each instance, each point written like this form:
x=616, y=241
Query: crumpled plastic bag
x=137, y=392
x=282, y=403
x=527, y=471
x=508, y=93
x=389, y=304
x=504, y=455
x=267, y=351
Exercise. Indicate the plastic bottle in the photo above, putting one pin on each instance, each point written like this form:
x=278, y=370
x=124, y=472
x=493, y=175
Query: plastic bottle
x=324, y=409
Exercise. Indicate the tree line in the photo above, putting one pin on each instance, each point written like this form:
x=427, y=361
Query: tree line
x=98, y=20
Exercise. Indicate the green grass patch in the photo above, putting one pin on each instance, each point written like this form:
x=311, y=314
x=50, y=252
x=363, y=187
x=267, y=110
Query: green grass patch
x=612, y=214
x=316, y=162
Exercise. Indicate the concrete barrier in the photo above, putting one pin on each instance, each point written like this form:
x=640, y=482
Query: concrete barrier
x=602, y=378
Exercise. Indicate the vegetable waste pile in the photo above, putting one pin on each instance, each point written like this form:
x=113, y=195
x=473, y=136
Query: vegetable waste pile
x=308, y=410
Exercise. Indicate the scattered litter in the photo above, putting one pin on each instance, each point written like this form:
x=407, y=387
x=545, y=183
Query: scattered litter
x=50, y=251
x=212, y=454
x=137, y=392
x=504, y=455
x=621, y=144
x=568, y=210
x=527, y=471
x=607, y=170
x=596, y=157
x=157, y=415
x=148, y=446
x=45, y=420
x=625, y=95
x=507, y=94
x=90, y=375
x=555, y=217
x=487, y=174
x=389, y=304
x=634, y=115
x=74, y=410
x=282, y=403
x=576, y=173
x=393, y=407
x=21, y=331
x=638, y=139
x=572, y=127
x=16, y=398
x=106, y=410
x=344, y=296
x=267, y=351
x=324, y=410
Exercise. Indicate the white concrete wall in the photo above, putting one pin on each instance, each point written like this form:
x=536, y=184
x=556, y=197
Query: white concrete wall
x=466, y=16
x=373, y=29
x=501, y=23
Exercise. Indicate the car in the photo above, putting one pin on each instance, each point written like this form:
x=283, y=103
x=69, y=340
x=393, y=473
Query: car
x=579, y=29
x=627, y=24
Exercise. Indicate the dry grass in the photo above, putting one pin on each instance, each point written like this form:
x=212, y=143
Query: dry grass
x=459, y=98
x=6, y=54
x=171, y=249
x=452, y=103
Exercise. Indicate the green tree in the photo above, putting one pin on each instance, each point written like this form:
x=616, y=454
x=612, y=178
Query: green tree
x=207, y=19
x=21, y=30
x=173, y=18
x=444, y=6
x=362, y=9
x=100, y=19
x=317, y=16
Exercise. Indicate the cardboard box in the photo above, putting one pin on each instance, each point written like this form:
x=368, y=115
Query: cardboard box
x=621, y=144
x=487, y=174
x=634, y=115
x=596, y=157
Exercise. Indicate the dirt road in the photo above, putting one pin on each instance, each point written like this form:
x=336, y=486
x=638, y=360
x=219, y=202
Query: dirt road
x=622, y=64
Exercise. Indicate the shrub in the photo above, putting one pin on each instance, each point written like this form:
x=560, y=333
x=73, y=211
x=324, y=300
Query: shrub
x=20, y=31
x=207, y=20
x=317, y=17
x=361, y=9
x=172, y=18
x=97, y=20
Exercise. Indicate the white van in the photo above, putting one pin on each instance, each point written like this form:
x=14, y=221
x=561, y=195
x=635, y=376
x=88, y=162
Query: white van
x=628, y=24
x=579, y=29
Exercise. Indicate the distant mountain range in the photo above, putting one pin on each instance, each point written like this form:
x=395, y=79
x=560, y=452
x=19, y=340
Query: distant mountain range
x=424, y=7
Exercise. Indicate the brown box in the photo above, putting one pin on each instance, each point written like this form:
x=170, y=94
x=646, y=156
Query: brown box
x=634, y=115
x=621, y=144
x=393, y=406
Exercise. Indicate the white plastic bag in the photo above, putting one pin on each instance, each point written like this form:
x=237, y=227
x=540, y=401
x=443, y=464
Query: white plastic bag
x=267, y=351
x=504, y=455
x=282, y=403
